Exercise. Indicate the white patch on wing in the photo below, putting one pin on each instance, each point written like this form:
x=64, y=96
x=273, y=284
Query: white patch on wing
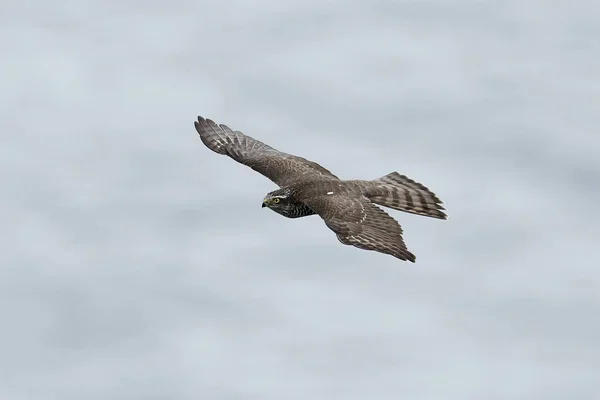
x=329, y=192
x=364, y=213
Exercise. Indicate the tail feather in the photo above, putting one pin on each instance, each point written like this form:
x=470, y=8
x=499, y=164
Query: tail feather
x=402, y=193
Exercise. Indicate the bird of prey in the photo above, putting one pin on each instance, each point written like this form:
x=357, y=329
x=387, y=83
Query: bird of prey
x=348, y=207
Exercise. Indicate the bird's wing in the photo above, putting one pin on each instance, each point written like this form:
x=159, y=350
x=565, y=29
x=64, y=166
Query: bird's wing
x=282, y=168
x=360, y=223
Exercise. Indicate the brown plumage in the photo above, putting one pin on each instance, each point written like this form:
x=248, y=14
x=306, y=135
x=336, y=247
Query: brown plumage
x=348, y=207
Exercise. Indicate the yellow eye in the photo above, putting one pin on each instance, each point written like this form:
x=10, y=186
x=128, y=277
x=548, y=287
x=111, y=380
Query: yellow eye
x=276, y=200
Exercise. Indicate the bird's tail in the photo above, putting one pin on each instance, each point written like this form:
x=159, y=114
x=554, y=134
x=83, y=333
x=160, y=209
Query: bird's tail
x=402, y=193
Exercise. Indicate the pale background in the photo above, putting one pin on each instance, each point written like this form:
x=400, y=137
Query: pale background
x=136, y=264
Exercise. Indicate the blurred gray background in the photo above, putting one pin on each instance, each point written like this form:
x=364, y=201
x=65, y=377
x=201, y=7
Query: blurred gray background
x=137, y=264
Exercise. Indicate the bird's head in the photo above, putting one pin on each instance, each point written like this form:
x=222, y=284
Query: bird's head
x=279, y=202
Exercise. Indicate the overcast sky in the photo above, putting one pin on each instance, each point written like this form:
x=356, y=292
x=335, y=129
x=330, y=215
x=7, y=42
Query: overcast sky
x=137, y=264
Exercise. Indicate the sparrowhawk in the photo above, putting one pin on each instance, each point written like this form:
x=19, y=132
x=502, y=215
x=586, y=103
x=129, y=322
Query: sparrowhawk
x=348, y=207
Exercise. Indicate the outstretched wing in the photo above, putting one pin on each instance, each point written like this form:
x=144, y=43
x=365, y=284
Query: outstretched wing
x=282, y=168
x=360, y=223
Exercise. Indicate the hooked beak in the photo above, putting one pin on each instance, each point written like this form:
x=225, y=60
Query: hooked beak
x=264, y=203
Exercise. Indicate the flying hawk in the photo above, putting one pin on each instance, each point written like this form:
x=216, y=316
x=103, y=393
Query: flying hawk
x=348, y=207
